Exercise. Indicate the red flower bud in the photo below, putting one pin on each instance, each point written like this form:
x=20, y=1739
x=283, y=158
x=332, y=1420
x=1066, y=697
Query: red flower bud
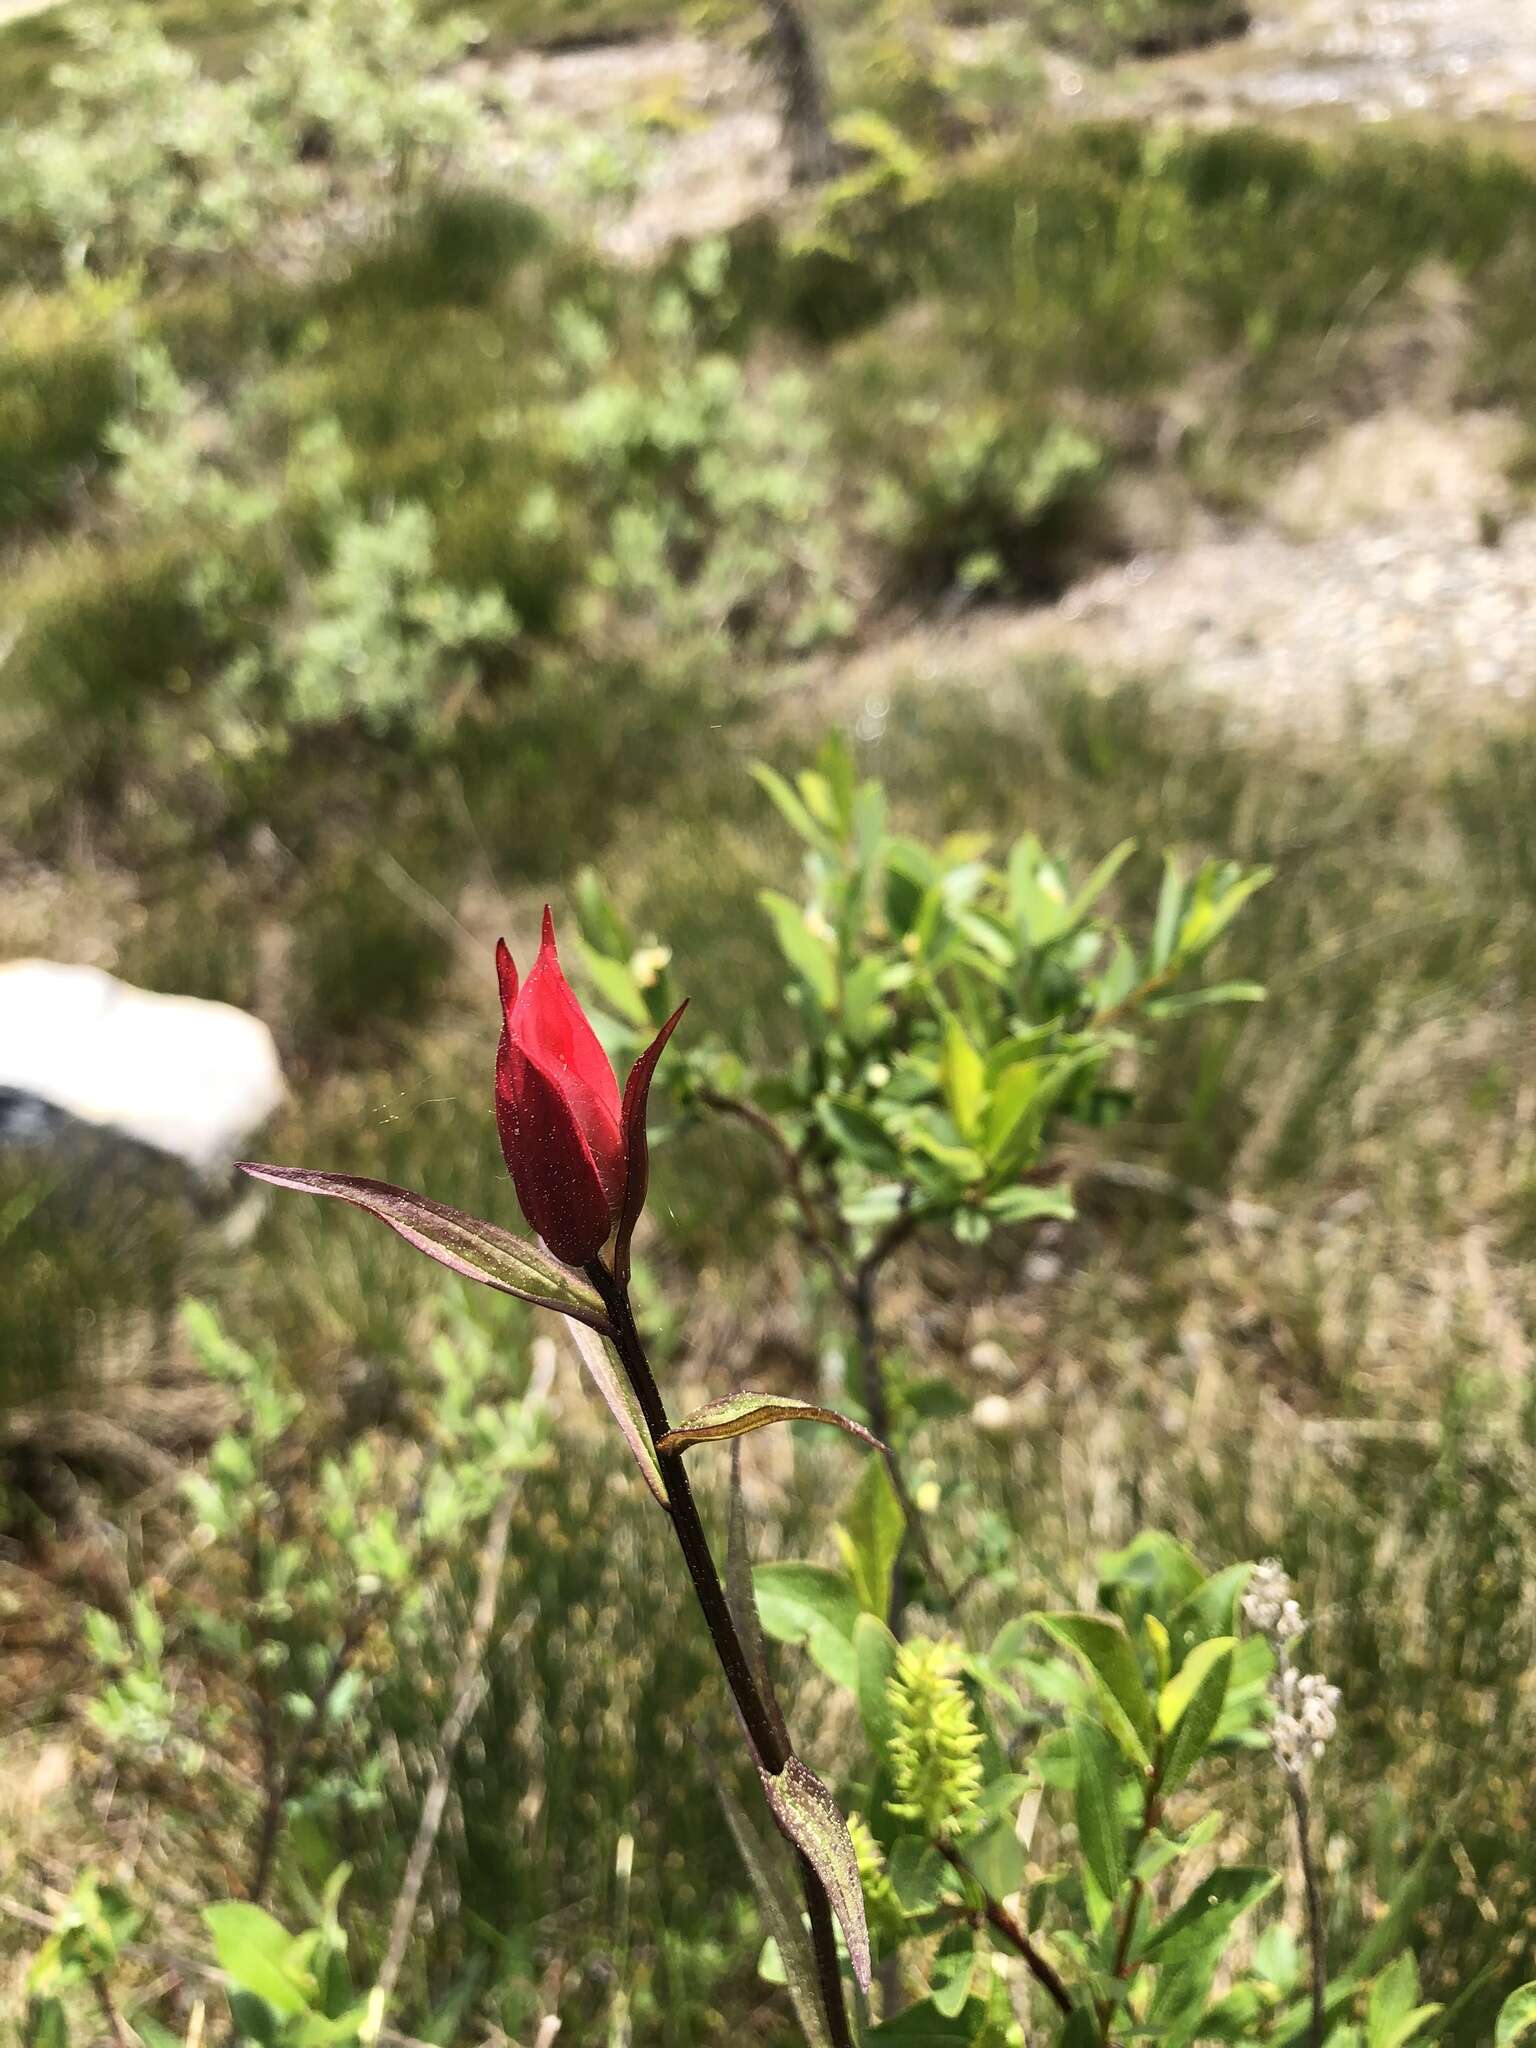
x=576, y=1154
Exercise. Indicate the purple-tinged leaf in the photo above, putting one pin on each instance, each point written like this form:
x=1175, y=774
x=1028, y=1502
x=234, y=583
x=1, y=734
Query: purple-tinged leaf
x=781, y=1914
x=613, y=1384
x=740, y=1414
x=473, y=1249
x=808, y=1816
x=637, y=1149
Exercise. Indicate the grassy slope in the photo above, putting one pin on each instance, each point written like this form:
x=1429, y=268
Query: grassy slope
x=1370, y=1102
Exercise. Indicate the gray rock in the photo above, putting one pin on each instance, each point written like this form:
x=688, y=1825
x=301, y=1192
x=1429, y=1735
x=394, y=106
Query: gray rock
x=187, y=1079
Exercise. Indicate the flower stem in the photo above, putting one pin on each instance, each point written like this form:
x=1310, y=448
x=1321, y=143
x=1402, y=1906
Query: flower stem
x=1317, y=1933
x=762, y=1724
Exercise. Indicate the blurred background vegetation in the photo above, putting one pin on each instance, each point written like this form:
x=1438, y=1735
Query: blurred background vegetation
x=412, y=489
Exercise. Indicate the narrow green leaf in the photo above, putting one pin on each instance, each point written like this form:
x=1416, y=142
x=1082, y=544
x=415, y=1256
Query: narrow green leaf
x=1036, y=898
x=464, y=1244
x=1104, y=1649
x=1195, y=1725
x=788, y=805
x=740, y=1414
x=1393, y=1997
x=870, y=1538
x=964, y=1078
x=1190, y=1676
x=1213, y=909
x=616, y=985
x=49, y=2028
x=807, y=1603
x=1119, y=978
x=808, y=1815
x=612, y=1382
x=811, y=957
x=261, y=1956
x=874, y=1650
x=1157, y=1642
x=1163, y=1009
x=918, y=1874
x=1517, y=2017
x=1097, y=883
x=1099, y=1827
x=781, y=1915
x=1170, y=903
x=858, y=1132
x=1028, y=1204
x=1205, y=1919
x=952, y=1970
x=924, y=2026
x=602, y=928
x=1209, y=1609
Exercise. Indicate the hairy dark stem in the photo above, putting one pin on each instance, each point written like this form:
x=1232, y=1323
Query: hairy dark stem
x=761, y=1723
x=1002, y=1922
x=1317, y=1933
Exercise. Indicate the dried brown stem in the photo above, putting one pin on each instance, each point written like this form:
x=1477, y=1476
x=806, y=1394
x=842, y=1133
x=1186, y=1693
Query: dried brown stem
x=1317, y=1930
x=812, y=1223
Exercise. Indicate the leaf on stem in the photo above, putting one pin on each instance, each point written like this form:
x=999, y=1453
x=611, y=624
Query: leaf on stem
x=781, y=1916
x=739, y=1414
x=810, y=1604
x=1104, y=1649
x=466, y=1245
x=612, y=1383
x=808, y=1815
x=1190, y=1705
x=1517, y=2017
x=870, y=1538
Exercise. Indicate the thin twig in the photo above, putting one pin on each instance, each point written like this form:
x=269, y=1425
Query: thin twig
x=813, y=1224
x=1317, y=1933
x=121, y=2032
x=1102, y=1019
x=1002, y=1922
x=1151, y=1811
x=468, y=1686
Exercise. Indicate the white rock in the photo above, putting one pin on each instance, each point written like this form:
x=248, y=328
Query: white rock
x=188, y=1078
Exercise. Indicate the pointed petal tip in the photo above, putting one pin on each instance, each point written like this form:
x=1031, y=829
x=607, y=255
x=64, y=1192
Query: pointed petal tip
x=506, y=974
x=547, y=932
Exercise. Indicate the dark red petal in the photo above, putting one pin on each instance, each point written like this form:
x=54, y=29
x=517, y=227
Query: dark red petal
x=506, y=977
x=557, y=1180
x=637, y=1149
x=548, y=1025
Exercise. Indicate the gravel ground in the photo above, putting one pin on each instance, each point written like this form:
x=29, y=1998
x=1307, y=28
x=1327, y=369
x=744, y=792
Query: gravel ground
x=1401, y=578
x=1371, y=60
x=1349, y=611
